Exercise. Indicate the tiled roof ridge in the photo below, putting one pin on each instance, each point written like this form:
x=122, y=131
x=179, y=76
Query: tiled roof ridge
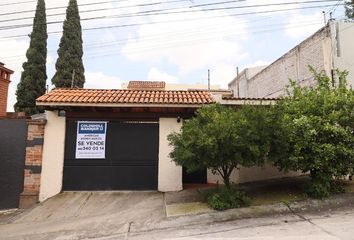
x=129, y=90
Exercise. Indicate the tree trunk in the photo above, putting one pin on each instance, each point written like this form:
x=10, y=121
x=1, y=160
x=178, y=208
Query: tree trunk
x=227, y=182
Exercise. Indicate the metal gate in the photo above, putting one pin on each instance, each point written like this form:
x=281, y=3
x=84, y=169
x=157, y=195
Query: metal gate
x=13, y=135
x=131, y=161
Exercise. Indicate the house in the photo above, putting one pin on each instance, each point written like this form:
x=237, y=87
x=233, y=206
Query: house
x=116, y=139
x=330, y=48
x=5, y=75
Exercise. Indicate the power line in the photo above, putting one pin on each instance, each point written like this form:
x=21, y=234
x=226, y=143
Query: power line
x=63, y=7
x=97, y=9
x=200, y=40
x=179, y=20
x=195, y=40
x=200, y=5
x=158, y=36
x=163, y=11
x=88, y=4
x=16, y=3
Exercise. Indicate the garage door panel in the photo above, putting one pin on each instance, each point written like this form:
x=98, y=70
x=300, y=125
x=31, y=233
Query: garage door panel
x=132, y=141
x=110, y=178
x=86, y=178
x=131, y=161
x=134, y=177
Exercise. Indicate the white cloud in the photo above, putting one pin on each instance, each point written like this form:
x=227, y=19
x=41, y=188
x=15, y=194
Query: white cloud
x=99, y=80
x=157, y=75
x=222, y=75
x=300, y=25
x=190, y=45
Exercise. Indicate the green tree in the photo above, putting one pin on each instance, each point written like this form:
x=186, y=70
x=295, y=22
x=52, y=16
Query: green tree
x=314, y=132
x=70, y=70
x=34, y=76
x=349, y=9
x=222, y=139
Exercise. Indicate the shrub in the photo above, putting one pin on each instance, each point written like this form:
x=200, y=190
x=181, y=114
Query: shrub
x=226, y=198
x=314, y=132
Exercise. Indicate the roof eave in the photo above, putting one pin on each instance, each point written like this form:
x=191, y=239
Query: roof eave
x=117, y=105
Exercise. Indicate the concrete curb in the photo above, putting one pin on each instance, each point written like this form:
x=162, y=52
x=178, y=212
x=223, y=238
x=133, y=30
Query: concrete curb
x=335, y=202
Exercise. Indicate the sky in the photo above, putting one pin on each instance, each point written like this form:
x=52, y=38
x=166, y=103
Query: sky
x=175, y=41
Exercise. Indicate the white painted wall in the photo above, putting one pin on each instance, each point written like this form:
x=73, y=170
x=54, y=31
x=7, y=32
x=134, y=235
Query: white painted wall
x=170, y=175
x=53, y=156
x=252, y=174
x=343, y=52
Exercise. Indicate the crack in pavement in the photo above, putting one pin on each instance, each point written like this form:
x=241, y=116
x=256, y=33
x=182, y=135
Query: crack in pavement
x=83, y=204
x=309, y=221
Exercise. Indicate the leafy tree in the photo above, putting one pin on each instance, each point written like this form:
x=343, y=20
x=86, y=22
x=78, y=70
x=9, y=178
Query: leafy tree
x=34, y=76
x=222, y=139
x=349, y=9
x=69, y=64
x=314, y=132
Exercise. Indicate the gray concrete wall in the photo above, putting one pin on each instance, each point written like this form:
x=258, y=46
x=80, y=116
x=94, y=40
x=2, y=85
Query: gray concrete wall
x=252, y=174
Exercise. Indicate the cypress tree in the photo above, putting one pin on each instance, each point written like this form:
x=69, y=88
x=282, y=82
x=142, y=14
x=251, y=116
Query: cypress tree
x=34, y=76
x=69, y=64
x=349, y=9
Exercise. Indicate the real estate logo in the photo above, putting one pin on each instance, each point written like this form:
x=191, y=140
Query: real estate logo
x=91, y=140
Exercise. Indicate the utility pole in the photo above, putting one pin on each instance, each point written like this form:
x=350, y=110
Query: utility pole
x=73, y=79
x=238, y=82
x=324, y=17
x=208, y=79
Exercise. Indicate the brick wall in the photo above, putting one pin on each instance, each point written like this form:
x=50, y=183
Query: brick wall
x=33, y=163
x=4, y=86
x=5, y=75
x=272, y=81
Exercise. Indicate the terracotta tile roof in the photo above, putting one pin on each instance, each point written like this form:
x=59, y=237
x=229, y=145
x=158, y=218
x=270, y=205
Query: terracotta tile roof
x=114, y=96
x=144, y=85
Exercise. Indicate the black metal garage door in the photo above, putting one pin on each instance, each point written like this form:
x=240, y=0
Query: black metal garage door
x=13, y=134
x=131, y=161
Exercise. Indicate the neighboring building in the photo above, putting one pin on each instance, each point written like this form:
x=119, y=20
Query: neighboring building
x=160, y=85
x=5, y=75
x=328, y=49
x=239, y=84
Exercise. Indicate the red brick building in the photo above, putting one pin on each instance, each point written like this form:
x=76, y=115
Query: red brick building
x=5, y=75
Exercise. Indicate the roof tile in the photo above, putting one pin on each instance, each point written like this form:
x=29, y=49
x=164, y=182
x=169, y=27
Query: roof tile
x=94, y=96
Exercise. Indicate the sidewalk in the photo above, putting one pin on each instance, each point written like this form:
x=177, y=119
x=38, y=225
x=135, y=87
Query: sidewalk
x=271, y=196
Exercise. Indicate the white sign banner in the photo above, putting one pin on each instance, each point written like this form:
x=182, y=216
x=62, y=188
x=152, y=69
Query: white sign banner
x=91, y=140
